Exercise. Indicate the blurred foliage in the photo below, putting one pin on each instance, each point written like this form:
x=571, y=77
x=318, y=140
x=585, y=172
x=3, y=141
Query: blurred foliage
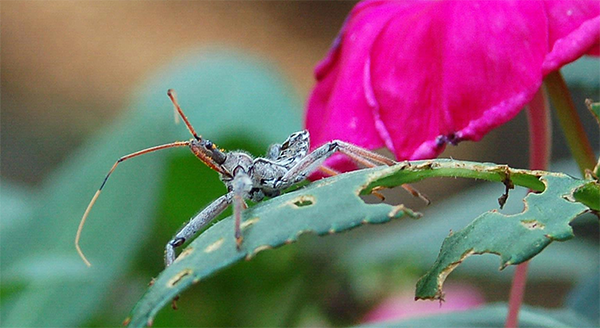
x=237, y=103
x=585, y=297
x=227, y=98
x=583, y=73
x=494, y=315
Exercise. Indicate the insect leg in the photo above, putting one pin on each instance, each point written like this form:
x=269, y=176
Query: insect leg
x=314, y=159
x=328, y=171
x=363, y=156
x=241, y=186
x=126, y=157
x=360, y=155
x=191, y=228
x=331, y=172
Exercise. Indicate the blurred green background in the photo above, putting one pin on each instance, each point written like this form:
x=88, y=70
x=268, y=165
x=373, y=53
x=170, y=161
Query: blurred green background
x=85, y=82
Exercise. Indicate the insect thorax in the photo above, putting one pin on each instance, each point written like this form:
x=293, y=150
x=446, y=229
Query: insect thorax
x=266, y=173
x=236, y=162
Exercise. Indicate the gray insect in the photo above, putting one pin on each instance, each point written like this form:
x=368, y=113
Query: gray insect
x=246, y=177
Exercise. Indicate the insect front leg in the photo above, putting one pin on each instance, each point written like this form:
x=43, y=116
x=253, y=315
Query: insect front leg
x=242, y=184
x=191, y=228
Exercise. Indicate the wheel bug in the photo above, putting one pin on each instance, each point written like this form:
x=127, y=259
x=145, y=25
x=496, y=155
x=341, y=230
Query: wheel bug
x=246, y=177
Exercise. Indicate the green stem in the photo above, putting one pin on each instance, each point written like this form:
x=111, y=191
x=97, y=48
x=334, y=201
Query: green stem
x=569, y=121
x=540, y=132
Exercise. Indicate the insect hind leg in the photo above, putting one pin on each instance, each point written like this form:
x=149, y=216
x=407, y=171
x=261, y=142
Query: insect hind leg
x=358, y=154
x=369, y=158
x=314, y=159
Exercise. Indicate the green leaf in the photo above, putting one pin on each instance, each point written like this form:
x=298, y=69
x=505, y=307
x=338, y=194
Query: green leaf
x=325, y=207
x=494, y=315
x=594, y=108
x=589, y=195
x=402, y=244
x=515, y=238
x=222, y=94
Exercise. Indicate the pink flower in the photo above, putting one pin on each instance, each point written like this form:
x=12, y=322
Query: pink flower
x=403, y=306
x=416, y=75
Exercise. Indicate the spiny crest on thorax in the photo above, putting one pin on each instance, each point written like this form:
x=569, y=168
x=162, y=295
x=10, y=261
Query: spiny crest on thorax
x=294, y=148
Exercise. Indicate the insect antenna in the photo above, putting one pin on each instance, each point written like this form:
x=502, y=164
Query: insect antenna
x=173, y=96
x=126, y=157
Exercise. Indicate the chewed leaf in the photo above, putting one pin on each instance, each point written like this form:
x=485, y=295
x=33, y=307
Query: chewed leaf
x=515, y=238
x=325, y=207
x=333, y=205
x=594, y=108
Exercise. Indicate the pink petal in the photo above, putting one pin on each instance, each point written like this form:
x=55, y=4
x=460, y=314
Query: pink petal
x=439, y=71
x=415, y=75
x=337, y=107
x=403, y=306
x=574, y=30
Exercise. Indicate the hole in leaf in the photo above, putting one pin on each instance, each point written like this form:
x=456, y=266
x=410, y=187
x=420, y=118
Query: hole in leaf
x=303, y=203
x=248, y=223
x=185, y=253
x=305, y=200
x=178, y=277
x=257, y=250
x=532, y=224
x=214, y=246
x=394, y=196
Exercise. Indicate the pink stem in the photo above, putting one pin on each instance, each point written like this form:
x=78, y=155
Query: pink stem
x=540, y=137
x=517, y=290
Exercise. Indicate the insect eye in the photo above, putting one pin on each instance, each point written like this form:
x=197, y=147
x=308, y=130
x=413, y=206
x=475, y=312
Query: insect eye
x=208, y=144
